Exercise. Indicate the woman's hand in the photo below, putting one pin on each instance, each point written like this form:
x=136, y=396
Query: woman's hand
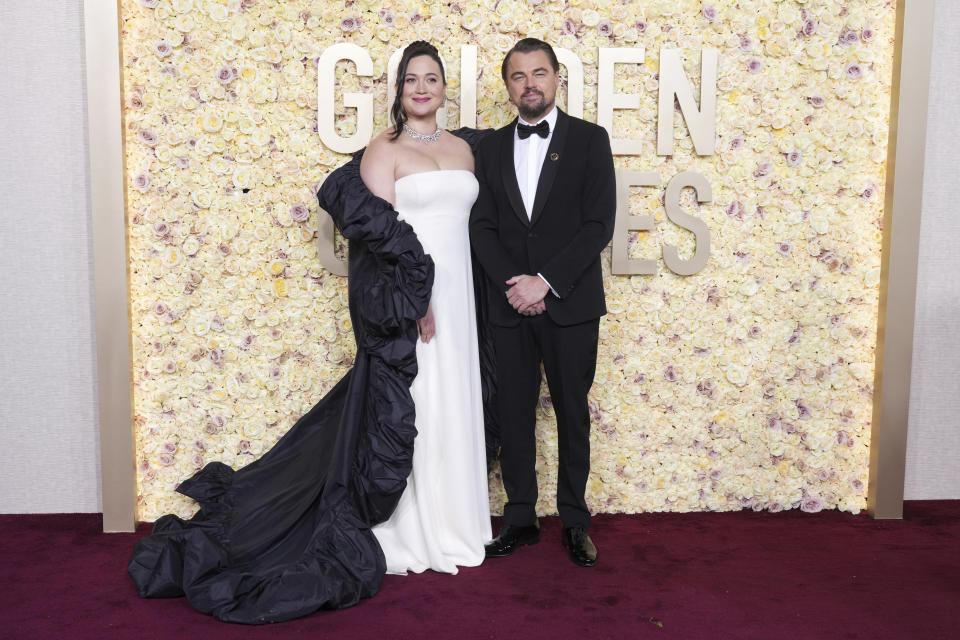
x=426, y=326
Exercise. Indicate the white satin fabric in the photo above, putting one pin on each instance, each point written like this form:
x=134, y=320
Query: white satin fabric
x=443, y=518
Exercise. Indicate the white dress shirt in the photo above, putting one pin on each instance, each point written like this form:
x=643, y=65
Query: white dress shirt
x=528, y=157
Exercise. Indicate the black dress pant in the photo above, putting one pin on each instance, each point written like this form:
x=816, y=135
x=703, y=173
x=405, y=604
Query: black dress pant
x=569, y=357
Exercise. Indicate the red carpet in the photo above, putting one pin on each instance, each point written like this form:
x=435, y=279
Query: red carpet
x=697, y=575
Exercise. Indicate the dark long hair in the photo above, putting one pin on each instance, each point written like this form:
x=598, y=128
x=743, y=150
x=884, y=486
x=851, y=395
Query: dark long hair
x=414, y=49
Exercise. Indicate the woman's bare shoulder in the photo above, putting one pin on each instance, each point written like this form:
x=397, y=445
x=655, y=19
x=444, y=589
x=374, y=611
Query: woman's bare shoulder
x=381, y=150
x=461, y=150
x=459, y=143
x=383, y=141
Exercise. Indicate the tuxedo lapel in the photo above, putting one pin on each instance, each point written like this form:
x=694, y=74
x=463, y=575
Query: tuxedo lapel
x=509, y=173
x=551, y=164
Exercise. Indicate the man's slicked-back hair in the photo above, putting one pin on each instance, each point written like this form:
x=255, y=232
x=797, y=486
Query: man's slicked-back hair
x=528, y=45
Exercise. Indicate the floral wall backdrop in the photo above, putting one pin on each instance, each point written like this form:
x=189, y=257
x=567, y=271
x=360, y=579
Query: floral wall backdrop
x=746, y=385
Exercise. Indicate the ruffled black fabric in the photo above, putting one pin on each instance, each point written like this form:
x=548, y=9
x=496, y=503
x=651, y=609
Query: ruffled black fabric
x=290, y=533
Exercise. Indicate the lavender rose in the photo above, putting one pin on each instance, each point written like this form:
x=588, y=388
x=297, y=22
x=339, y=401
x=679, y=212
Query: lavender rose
x=735, y=210
x=299, y=213
x=147, y=137
x=142, y=181
x=227, y=74
x=848, y=37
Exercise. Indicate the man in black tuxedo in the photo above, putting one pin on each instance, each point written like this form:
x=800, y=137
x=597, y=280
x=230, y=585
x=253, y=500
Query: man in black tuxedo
x=544, y=213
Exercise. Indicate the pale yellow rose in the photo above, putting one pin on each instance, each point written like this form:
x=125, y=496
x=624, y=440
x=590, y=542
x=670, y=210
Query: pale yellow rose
x=184, y=23
x=211, y=122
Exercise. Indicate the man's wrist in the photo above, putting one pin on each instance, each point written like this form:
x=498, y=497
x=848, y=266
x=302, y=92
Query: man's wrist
x=547, y=282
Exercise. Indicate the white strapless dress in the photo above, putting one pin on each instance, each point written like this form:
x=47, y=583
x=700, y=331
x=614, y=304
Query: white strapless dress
x=443, y=518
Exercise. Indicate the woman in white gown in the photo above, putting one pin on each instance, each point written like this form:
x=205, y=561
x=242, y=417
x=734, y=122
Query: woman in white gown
x=443, y=519
x=387, y=471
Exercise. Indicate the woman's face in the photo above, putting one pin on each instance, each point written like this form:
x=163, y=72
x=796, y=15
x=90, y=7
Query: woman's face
x=422, y=87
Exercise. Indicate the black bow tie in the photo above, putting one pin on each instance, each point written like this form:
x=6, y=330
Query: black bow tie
x=525, y=130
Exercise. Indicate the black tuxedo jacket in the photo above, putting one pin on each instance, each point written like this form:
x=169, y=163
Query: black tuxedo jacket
x=572, y=221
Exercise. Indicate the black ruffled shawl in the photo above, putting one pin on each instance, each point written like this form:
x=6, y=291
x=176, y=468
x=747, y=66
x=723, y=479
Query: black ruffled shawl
x=290, y=533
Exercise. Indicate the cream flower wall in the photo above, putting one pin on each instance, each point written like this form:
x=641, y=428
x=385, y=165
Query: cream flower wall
x=748, y=384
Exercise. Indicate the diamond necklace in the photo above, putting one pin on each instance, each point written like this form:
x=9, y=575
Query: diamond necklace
x=425, y=139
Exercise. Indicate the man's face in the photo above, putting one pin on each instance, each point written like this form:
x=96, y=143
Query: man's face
x=532, y=84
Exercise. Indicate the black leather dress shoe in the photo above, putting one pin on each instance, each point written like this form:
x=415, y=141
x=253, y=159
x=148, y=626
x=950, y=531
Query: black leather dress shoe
x=580, y=547
x=511, y=537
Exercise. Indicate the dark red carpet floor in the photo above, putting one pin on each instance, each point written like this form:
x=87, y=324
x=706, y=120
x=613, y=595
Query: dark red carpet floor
x=697, y=575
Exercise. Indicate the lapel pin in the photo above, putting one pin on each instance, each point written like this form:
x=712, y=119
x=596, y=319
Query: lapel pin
x=554, y=156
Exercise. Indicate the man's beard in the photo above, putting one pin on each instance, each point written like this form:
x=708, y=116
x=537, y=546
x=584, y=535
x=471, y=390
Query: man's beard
x=533, y=112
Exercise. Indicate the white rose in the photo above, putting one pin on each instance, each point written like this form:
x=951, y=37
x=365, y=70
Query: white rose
x=820, y=223
x=749, y=287
x=736, y=374
x=191, y=245
x=218, y=13
x=203, y=198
